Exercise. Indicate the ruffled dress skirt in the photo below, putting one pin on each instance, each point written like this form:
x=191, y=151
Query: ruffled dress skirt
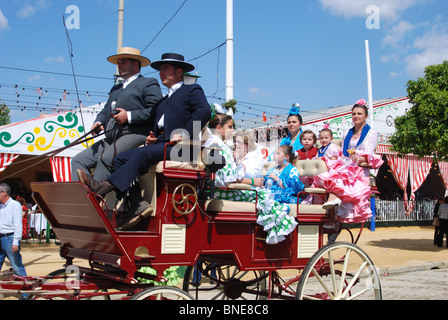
x=272, y=215
x=350, y=183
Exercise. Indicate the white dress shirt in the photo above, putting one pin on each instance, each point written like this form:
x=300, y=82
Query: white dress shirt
x=11, y=219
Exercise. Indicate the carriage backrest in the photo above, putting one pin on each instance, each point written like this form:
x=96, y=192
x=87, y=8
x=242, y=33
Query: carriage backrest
x=306, y=168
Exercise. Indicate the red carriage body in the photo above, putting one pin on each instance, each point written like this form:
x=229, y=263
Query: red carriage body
x=184, y=229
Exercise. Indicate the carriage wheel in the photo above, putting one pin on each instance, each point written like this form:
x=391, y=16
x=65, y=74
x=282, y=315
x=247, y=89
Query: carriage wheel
x=339, y=271
x=58, y=275
x=65, y=275
x=162, y=293
x=224, y=282
x=185, y=198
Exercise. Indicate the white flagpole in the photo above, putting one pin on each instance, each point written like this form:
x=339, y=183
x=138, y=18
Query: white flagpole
x=229, y=51
x=369, y=83
x=120, y=33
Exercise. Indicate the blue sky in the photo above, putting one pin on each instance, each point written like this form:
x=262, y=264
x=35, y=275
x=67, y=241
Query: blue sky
x=285, y=51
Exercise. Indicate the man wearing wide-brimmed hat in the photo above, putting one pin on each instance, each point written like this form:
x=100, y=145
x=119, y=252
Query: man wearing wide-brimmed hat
x=184, y=107
x=127, y=116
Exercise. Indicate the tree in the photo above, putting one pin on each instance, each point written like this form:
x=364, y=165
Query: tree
x=423, y=130
x=5, y=118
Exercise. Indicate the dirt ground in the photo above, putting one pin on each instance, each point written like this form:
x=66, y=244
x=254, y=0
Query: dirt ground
x=392, y=249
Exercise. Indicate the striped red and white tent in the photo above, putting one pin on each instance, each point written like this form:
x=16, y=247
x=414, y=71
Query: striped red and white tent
x=413, y=169
x=61, y=168
x=443, y=168
x=6, y=159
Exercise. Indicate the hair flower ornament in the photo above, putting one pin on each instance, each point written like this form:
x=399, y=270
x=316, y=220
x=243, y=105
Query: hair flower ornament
x=361, y=102
x=295, y=109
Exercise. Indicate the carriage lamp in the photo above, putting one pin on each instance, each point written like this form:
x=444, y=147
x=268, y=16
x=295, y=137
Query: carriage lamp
x=190, y=78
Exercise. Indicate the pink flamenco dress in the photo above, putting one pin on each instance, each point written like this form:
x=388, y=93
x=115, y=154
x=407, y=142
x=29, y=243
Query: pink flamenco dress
x=349, y=181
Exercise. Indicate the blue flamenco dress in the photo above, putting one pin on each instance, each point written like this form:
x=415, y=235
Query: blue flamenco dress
x=291, y=184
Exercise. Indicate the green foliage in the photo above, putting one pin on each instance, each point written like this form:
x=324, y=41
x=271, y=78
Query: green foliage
x=423, y=130
x=231, y=104
x=5, y=118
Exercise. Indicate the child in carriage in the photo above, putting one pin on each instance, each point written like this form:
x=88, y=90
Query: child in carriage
x=327, y=149
x=308, y=139
x=272, y=215
x=283, y=179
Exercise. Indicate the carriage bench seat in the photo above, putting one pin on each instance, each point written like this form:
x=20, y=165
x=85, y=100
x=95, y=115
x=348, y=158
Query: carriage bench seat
x=227, y=210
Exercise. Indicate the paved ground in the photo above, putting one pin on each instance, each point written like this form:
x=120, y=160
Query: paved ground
x=392, y=250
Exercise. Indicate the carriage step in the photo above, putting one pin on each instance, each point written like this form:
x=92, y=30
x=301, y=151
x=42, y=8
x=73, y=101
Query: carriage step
x=142, y=253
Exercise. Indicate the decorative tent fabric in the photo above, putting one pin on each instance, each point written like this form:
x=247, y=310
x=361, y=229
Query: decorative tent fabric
x=418, y=171
x=61, y=168
x=407, y=166
x=443, y=168
x=6, y=159
x=400, y=171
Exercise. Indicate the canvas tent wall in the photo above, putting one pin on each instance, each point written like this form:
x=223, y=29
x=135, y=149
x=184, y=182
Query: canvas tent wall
x=31, y=139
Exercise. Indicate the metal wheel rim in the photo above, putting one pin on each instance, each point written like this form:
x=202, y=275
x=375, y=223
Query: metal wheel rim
x=341, y=283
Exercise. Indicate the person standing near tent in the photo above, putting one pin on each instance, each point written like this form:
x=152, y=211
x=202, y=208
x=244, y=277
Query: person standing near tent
x=126, y=118
x=10, y=231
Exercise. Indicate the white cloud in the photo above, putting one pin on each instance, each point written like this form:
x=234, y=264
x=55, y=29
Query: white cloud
x=3, y=21
x=431, y=48
x=434, y=51
x=389, y=9
x=397, y=34
x=254, y=90
x=59, y=59
x=34, y=78
x=29, y=9
x=257, y=91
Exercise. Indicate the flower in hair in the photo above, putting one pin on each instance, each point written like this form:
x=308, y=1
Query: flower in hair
x=326, y=125
x=361, y=102
x=294, y=110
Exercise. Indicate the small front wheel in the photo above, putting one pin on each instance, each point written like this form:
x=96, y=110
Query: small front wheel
x=162, y=293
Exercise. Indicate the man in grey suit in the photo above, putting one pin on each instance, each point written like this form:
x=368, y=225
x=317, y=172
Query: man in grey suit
x=126, y=118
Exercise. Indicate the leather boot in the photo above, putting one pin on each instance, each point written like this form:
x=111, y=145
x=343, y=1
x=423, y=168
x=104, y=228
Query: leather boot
x=138, y=209
x=101, y=188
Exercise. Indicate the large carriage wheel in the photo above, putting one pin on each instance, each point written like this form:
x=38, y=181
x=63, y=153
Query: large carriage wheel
x=162, y=293
x=339, y=271
x=210, y=281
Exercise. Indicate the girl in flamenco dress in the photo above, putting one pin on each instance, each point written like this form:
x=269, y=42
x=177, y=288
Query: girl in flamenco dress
x=283, y=179
x=347, y=178
x=272, y=215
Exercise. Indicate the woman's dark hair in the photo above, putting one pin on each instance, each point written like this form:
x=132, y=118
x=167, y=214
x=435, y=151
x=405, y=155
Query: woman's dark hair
x=296, y=115
x=289, y=152
x=363, y=106
x=219, y=119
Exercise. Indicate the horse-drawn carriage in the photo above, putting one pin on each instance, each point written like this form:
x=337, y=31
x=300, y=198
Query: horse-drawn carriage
x=219, y=242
